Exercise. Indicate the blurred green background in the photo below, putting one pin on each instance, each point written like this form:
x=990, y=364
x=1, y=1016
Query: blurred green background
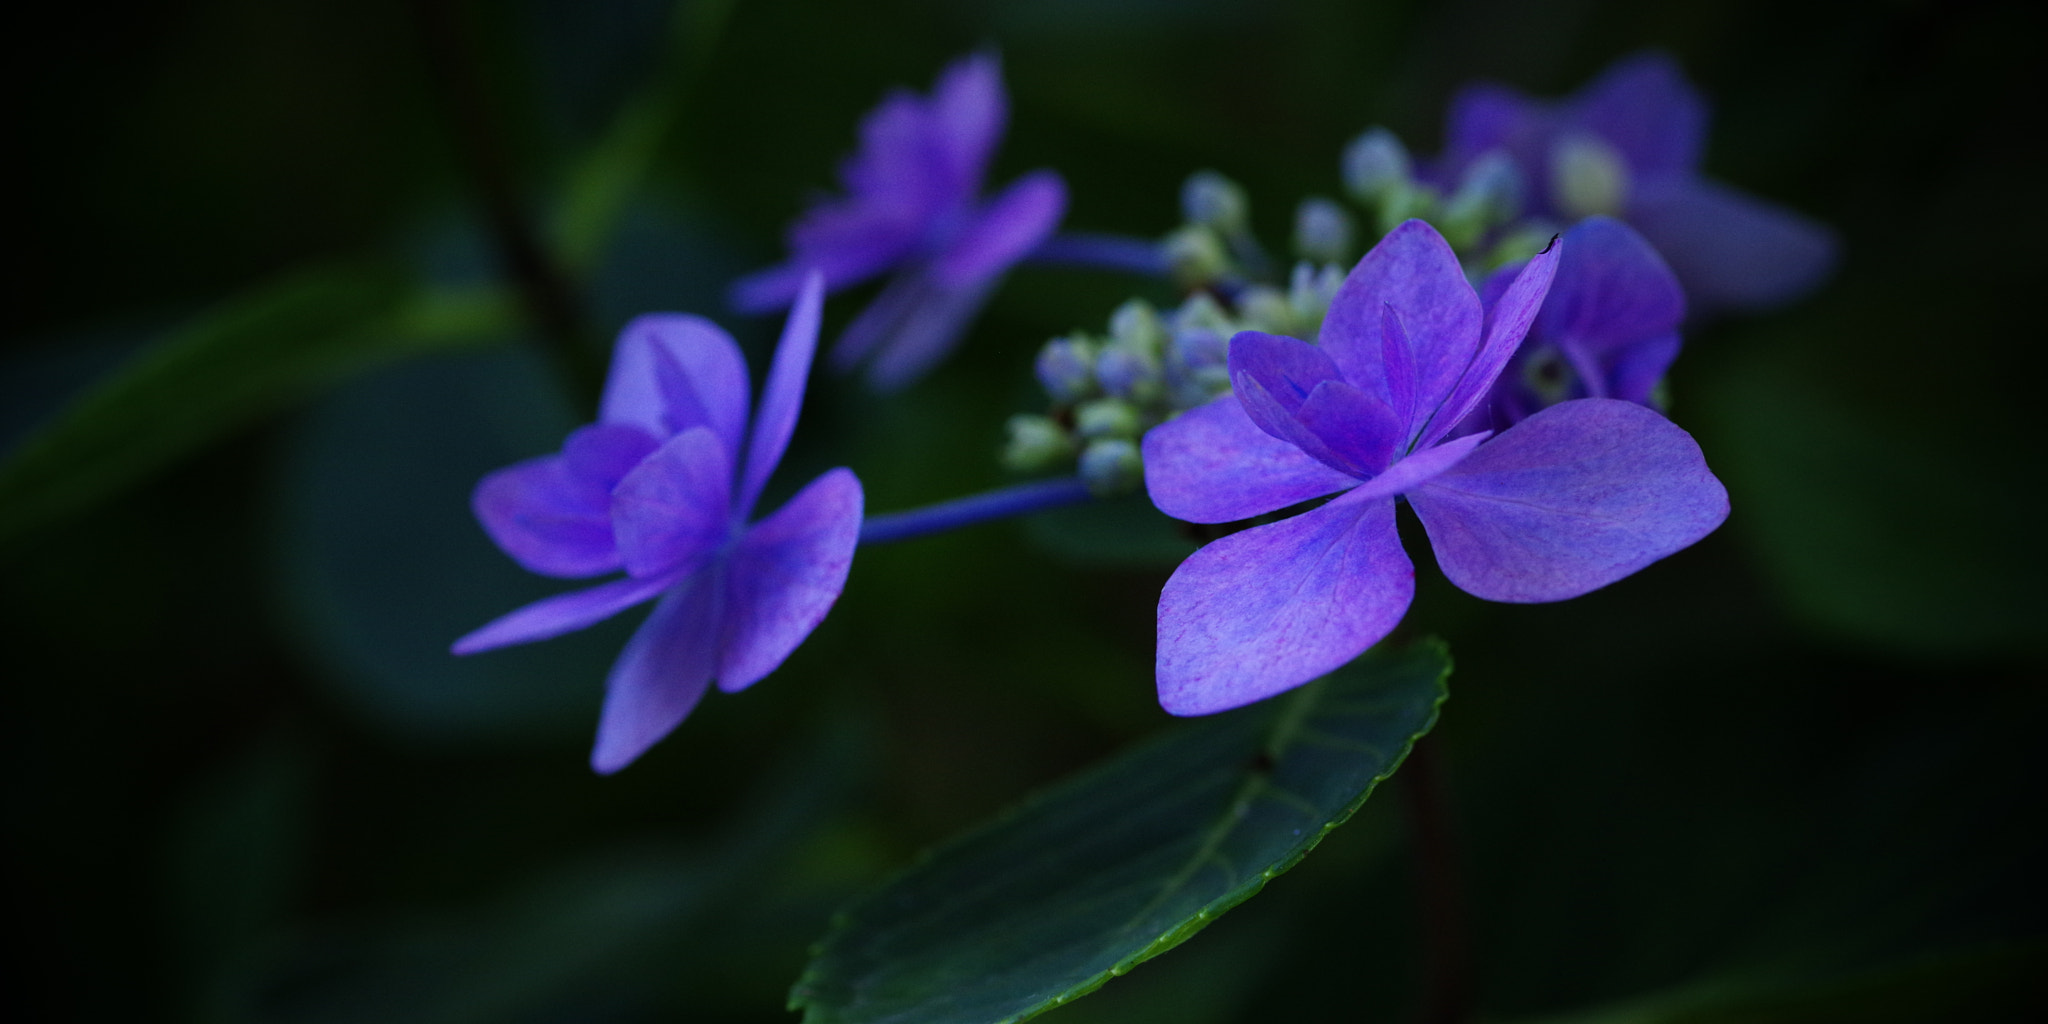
x=1794, y=773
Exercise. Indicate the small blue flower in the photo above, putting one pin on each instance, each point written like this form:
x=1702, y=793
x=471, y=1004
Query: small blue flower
x=913, y=210
x=1629, y=145
x=662, y=486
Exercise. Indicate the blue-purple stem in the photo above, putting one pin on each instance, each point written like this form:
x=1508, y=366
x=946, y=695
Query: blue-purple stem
x=1022, y=499
x=1102, y=251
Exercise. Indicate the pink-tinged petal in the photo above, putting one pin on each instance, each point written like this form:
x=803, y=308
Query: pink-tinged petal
x=662, y=673
x=1643, y=106
x=785, y=576
x=1420, y=468
x=927, y=330
x=563, y=613
x=1212, y=464
x=1612, y=290
x=1357, y=430
x=1413, y=270
x=969, y=112
x=1732, y=251
x=671, y=372
x=1275, y=606
x=550, y=521
x=675, y=508
x=1005, y=231
x=783, y=396
x=1506, y=324
x=1569, y=500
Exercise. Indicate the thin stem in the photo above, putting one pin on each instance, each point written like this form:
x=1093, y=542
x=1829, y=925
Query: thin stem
x=1447, y=947
x=544, y=291
x=1101, y=251
x=1036, y=496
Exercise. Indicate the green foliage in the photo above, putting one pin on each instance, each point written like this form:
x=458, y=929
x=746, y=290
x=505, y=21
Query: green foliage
x=1125, y=862
x=245, y=359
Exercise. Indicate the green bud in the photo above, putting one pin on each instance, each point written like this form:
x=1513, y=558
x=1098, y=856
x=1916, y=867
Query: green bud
x=1196, y=256
x=1112, y=467
x=1265, y=308
x=1107, y=417
x=1036, y=443
x=1309, y=294
x=1137, y=325
x=1214, y=201
x=1587, y=177
x=1375, y=164
x=1323, y=232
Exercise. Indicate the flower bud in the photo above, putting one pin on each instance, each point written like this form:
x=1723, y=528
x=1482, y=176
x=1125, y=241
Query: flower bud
x=1323, y=232
x=1375, y=163
x=1127, y=372
x=1265, y=308
x=1489, y=194
x=1587, y=177
x=1214, y=201
x=1309, y=294
x=1107, y=417
x=1036, y=443
x=1196, y=256
x=1200, y=312
x=1066, y=367
x=1112, y=467
x=1137, y=325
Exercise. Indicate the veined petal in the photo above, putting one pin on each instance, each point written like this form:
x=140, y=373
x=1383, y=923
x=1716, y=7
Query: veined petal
x=671, y=372
x=547, y=518
x=1212, y=464
x=676, y=506
x=563, y=613
x=1732, y=251
x=785, y=575
x=783, y=396
x=1413, y=270
x=662, y=673
x=1275, y=606
x=1569, y=500
x=1004, y=231
x=1423, y=466
x=1643, y=106
x=1506, y=324
x=1612, y=290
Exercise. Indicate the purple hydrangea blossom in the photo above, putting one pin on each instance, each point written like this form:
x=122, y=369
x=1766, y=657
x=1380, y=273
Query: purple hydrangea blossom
x=913, y=210
x=662, y=486
x=1570, y=499
x=1629, y=144
x=1608, y=329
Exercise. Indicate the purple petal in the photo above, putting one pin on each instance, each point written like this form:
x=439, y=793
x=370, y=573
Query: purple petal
x=600, y=455
x=671, y=372
x=1487, y=117
x=662, y=673
x=1506, y=324
x=1397, y=368
x=1732, y=251
x=1005, y=231
x=563, y=613
x=1643, y=106
x=768, y=290
x=877, y=322
x=1272, y=607
x=785, y=576
x=1212, y=464
x=675, y=507
x=1357, y=430
x=783, y=396
x=968, y=115
x=1423, y=466
x=1612, y=290
x=1286, y=368
x=927, y=331
x=1413, y=270
x=1636, y=370
x=1569, y=500
x=547, y=518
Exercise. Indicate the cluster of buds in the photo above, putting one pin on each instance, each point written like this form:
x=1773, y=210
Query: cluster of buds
x=1480, y=216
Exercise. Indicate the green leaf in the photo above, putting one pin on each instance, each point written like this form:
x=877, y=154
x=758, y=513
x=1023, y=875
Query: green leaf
x=245, y=359
x=1105, y=871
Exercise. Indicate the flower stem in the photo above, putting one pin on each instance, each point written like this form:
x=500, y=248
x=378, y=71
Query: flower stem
x=1447, y=949
x=1102, y=251
x=1001, y=503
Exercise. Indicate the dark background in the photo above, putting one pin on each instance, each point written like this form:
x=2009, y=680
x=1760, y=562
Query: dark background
x=245, y=783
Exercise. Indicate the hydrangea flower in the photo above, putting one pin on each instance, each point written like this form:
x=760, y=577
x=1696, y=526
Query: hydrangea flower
x=1629, y=145
x=1609, y=328
x=912, y=209
x=662, y=486
x=1570, y=499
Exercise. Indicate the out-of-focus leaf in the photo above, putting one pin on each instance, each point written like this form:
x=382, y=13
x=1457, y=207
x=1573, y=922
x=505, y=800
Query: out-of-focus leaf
x=247, y=358
x=1981, y=986
x=1110, y=869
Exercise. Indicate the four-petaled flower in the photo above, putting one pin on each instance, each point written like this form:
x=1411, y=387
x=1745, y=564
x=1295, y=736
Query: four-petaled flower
x=662, y=487
x=912, y=208
x=1609, y=328
x=1628, y=145
x=1572, y=498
